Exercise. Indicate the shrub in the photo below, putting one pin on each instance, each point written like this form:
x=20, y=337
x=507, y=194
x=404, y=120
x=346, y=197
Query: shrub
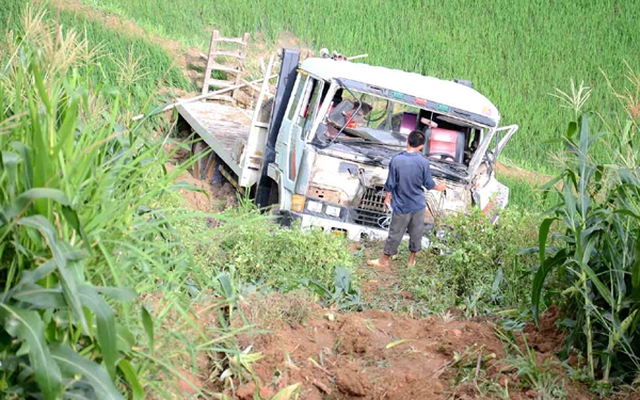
x=264, y=253
x=475, y=265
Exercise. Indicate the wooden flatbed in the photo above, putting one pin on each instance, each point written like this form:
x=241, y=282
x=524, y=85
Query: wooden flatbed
x=224, y=128
x=231, y=133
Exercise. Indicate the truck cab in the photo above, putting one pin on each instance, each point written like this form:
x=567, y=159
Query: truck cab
x=321, y=154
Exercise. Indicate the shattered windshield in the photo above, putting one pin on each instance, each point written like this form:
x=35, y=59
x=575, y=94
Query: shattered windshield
x=365, y=118
x=377, y=127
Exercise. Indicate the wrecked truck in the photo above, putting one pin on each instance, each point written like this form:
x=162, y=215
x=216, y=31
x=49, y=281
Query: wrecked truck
x=318, y=150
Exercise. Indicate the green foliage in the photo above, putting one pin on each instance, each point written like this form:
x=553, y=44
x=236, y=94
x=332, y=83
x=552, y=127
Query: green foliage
x=593, y=259
x=515, y=52
x=474, y=265
x=131, y=64
x=265, y=254
x=532, y=373
x=343, y=294
x=59, y=334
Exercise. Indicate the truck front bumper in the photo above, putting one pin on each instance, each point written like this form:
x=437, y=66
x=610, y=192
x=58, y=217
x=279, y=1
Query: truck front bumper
x=354, y=232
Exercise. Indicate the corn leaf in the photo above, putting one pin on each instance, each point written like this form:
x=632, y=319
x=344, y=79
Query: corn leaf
x=28, y=327
x=118, y=293
x=286, y=393
x=40, y=296
x=147, y=322
x=22, y=201
x=635, y=269
x=540, y=277
x=396, y=343
x=107, y=334
x=66, y=277
x=542, y=238
x=72, y=363
x=131, y=377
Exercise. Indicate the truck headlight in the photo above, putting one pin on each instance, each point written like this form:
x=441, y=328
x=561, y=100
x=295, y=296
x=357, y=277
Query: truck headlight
x=297, y=203
x=314, y=206
x=333, y=211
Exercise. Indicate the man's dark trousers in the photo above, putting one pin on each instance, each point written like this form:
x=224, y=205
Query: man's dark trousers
x=400, y=223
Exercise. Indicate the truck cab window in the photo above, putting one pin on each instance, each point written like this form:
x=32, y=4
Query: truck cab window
x=295, y=101
x=311, y=104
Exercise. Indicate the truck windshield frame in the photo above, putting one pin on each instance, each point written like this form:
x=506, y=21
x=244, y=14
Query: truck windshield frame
x=321, y=119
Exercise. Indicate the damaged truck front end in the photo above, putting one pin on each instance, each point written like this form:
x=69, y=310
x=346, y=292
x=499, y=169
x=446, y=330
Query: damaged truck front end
x=348, y=122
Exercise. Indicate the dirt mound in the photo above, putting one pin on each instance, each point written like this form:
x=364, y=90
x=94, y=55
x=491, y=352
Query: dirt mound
x=548, y=339
x=370, y=355
x=207, y=198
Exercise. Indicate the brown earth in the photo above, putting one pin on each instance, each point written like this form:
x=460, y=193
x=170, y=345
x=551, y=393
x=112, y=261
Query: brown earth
x=359, y=356
x=214, y=199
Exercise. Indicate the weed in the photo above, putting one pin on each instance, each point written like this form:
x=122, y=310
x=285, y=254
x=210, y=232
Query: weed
x=343, y=294
x=282, y=258
x=540, y=377
x=268, y=310
x=476, y=266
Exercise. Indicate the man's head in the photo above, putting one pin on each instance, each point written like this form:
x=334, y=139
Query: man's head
x=415, y=141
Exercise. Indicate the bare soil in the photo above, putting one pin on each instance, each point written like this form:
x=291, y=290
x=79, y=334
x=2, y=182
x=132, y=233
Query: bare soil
x=359, y=356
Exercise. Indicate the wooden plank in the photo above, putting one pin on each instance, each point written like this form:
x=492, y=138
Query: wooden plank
x=228, y=54
x=225, y=98
x=210, y=61
x=220, y=139
x=200, y=97
x=219, y=83
x=225, y=68
x=231, y=40
x=243, y=51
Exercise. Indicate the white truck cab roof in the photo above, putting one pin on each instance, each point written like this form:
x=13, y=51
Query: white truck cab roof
x=447, y=97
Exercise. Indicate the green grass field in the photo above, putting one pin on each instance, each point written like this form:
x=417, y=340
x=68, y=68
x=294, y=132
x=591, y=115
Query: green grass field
x=516, y=52
x=133, y=65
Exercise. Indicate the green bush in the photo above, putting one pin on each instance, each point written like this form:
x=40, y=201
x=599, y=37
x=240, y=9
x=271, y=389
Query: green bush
x=476, y=266
x=58, y=333
x=266, y=254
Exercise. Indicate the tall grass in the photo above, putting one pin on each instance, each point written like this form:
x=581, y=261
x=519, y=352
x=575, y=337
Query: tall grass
x=133, y=66
x=78, y=224
x=515, y=52
x=595, y=256
x=59, y=333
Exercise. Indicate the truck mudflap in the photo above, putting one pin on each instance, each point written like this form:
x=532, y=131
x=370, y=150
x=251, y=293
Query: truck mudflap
x=351, y=231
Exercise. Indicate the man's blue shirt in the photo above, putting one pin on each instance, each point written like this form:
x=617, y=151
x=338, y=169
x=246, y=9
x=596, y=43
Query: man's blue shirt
x=408, y=174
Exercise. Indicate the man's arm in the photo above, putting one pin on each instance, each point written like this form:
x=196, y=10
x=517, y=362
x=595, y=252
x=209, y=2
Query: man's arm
x=390, y=184
x=429, y=183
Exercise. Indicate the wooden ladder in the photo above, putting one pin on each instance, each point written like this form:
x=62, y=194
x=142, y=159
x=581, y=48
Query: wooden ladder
x=213, y=65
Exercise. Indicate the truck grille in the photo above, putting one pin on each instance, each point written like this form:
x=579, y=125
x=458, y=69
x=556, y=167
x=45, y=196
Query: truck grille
x=371, y=210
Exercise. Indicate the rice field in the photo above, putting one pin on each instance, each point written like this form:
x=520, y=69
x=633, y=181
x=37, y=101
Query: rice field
x=133, y=65
x=516, y=52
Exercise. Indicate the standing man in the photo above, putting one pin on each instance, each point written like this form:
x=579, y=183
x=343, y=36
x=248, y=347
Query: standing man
x=409, y=172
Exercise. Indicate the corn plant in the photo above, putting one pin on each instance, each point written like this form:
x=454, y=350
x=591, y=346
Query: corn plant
x=595, y=255
x=64, y=161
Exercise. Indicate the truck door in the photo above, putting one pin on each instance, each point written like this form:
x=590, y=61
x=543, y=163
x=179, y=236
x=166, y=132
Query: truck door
x=296, y=125
x=502, y=138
